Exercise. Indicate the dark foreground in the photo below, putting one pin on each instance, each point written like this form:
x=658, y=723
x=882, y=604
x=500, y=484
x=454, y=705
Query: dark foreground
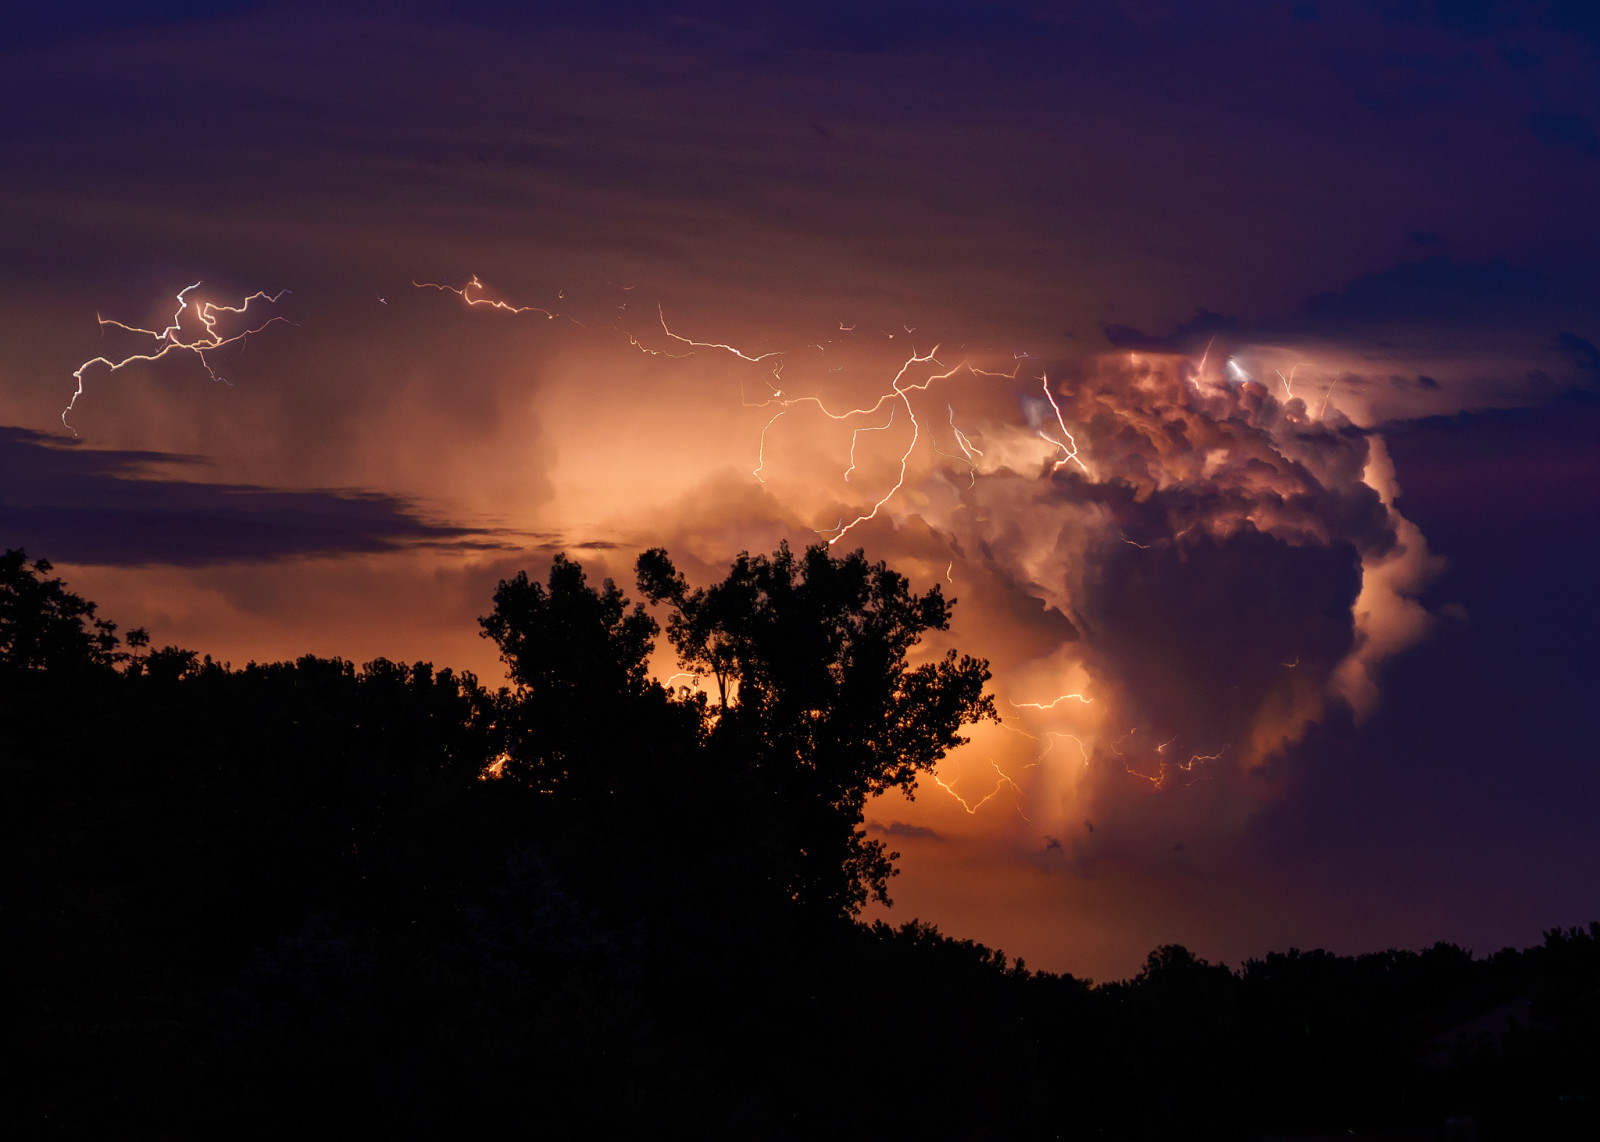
x=288, y=901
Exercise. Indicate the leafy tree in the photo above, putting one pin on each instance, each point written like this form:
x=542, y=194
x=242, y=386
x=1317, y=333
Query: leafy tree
x=44, y=626
x=578, y=660
x=818, y=708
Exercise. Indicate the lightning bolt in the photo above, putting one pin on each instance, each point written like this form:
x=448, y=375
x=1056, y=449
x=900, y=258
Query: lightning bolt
x=916, y=431
x=857, y=433
x=173, y=340
x=1287, y=391
x=1073, y=738
x=1070, y=449
x=1322, y=413
x=898, y=394
x=1052, y=704
x=1200, y=368
x=712, y=344
x=643, y=348
x=1164, y=768
x=967, y=451
x=466, y=295
x=972, y=807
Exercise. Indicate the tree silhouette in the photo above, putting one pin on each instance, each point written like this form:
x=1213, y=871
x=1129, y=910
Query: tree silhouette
x=582, y=697
x=284, y=899
x=818, y=708
x=44, y=626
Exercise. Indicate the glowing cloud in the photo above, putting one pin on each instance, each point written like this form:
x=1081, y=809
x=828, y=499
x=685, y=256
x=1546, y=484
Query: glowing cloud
x=1174, y=567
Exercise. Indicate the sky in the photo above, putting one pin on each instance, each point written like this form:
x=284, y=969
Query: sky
x=1235, y=366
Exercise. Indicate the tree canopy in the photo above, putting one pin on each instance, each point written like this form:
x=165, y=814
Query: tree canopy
x=44, y=626
x=818, y=707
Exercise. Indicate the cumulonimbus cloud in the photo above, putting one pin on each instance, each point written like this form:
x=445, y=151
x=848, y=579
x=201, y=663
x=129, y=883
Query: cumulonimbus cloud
x=1174, y=569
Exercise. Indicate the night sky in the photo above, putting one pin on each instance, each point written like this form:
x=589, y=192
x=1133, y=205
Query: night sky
x=1236, y=366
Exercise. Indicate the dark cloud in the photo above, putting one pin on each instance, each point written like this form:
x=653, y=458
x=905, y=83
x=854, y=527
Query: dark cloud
x=1565, y=129
x=902, y=829
x=25, y=26
x=1485, y=331
x=1433, y=290
x=74, y=504
x=1528, y=467
x=1184, y=337
x=1581, y=350
x=1436, y=292
x=1466, y=803
x=1204, y=631
x=1477, y=18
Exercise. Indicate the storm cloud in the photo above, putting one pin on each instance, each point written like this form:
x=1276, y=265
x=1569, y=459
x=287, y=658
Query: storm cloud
x=68, y=502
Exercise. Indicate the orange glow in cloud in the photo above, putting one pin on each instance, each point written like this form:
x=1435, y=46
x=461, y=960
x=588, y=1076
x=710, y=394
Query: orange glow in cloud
x=1175, y=569
x=1183, y=479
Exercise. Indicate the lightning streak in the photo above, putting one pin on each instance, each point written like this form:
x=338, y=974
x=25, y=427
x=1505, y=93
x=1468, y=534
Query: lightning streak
x=712, y=344
x=1200, y=369
x=1288, y=392
x=1052, y=705
x=972, y=807
x=1070, y=449
x=869, y=428
x=968, y=449
x=761, y=451
x=1322, y=412
x=172, y=339
x=916, y=430
x=643, y=348
x=1164, y=768
x=466, y=295
x=898, y=392
x=967, y=452
x=1073, y=738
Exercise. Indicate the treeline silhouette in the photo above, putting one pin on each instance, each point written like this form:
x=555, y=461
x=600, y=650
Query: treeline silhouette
x=306, y=899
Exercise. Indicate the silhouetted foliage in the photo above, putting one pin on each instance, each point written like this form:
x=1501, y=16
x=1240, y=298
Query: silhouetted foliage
x=818, y=709
x=43, y=626
x=294, y=899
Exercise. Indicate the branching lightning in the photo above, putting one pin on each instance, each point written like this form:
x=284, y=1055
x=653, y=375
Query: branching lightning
x=1069, y=450
x=972, y=807
x=1164, y=768
x=173, y=340
x=916, y=430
